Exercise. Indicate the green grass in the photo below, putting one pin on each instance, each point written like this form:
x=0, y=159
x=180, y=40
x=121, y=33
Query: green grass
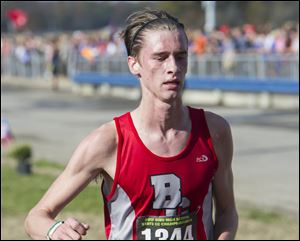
x=47, y=164
x=20, y=193
x=264, y=216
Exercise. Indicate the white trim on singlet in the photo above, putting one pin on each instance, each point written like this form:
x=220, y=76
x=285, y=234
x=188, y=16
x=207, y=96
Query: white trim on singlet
x=207, y=214
x=121, y=215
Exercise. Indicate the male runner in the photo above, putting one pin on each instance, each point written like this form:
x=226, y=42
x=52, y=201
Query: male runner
x=162, y=164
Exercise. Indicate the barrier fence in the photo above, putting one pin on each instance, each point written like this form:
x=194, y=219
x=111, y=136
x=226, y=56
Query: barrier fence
x=272, y=69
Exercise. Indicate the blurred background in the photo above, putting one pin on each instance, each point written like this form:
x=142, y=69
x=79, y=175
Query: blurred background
x=64, y=73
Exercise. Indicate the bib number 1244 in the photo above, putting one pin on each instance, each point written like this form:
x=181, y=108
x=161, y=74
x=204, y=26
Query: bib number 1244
x=165, y=234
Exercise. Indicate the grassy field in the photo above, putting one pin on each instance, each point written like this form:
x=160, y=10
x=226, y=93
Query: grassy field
x=20, y=193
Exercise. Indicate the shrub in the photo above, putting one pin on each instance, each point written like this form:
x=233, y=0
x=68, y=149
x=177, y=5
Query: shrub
x=21, y=153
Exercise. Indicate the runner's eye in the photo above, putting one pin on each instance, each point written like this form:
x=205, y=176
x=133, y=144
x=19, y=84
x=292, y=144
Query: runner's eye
x=160, y=58
x=181, y=56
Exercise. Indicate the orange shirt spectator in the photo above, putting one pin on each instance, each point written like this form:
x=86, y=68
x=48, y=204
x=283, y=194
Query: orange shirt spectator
x=199, y=44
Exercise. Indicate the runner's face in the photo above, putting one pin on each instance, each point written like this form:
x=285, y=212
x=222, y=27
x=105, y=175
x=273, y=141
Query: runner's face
x=163, y=60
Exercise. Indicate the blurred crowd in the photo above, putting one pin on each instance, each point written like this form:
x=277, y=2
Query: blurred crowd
x=247, y=39
x=90, y=45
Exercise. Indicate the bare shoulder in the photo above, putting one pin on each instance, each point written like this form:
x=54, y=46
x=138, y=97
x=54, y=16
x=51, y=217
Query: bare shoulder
x=218, y=126
x=96, y=150
x=103, y=139
x=220, y=132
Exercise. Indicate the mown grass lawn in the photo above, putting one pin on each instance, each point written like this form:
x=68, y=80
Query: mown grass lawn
x=20, y=193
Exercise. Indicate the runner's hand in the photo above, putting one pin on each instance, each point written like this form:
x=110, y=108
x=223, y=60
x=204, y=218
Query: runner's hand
x=71, y=229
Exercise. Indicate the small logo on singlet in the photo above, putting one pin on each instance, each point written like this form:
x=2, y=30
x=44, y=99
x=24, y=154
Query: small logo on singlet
x=203, y=158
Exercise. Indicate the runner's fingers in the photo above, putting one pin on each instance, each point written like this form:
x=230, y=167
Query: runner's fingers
x=77, y=226
x=80, y=229
x=86, y=226
x=65, y=232
x=73, y=234
x=64, y=237
x=72, y=222
x=61, y=235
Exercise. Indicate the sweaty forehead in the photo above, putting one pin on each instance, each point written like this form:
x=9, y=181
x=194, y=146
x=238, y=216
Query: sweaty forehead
x=164, y=40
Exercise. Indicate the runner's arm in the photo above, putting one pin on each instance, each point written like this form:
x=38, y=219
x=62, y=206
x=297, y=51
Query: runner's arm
x=226, y=219
x=91, y=157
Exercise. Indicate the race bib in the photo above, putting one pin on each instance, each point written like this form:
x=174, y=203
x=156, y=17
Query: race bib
x=167, y=228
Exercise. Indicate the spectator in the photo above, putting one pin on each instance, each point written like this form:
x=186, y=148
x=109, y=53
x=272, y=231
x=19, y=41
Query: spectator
x=6, y=133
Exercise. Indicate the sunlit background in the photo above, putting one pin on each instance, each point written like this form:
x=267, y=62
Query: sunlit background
x=64, y=73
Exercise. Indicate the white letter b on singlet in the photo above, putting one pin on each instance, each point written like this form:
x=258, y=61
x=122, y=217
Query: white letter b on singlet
x=167, y=189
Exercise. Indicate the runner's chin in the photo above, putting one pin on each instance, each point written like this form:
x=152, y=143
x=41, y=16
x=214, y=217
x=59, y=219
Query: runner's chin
x=171, y=92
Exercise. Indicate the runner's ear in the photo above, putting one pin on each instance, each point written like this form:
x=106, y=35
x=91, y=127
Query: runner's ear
x=133, y=65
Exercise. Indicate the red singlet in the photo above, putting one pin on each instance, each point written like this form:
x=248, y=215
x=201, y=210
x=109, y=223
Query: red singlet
x=157, y=197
